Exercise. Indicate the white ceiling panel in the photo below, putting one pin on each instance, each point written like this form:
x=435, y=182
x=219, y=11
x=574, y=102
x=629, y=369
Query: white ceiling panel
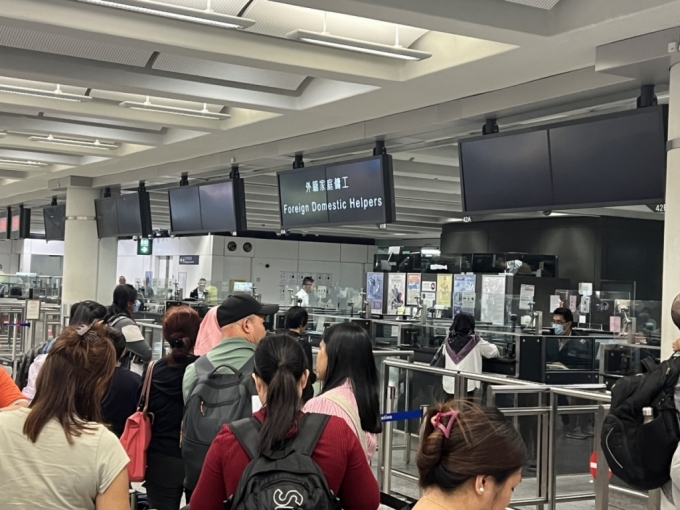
x=64, y=45
x=17, y=110
x=122, y=96
x=16, y=82
x=540, y=4
x=231, y=7
x=220, y=71
x=278, y=19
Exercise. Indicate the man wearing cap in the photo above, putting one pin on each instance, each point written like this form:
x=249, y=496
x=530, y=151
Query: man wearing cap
x=241, y=320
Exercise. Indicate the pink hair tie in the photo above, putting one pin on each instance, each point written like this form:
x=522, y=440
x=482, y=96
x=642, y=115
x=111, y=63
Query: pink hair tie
x=437, y=421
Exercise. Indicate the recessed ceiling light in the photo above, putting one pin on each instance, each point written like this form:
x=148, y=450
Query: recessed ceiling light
x=90, y=144
x=357, y=45
x=204, y=17
x=148, y=106
x=50, y=94
x=21, y=162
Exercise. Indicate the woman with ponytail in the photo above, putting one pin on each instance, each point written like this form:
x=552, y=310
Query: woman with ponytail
x=165, y=469
x=470, y=458
x=280, y=377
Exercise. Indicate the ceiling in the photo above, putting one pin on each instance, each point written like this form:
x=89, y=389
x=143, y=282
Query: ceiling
x=519, y=61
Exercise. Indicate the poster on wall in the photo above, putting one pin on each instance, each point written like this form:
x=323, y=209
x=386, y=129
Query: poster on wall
x=493, y=299
x=396, y=292
x=444, y=290
x=429, y=298
x=464, y=293
x=526, y=296
x=375, y=291
x=413, y=290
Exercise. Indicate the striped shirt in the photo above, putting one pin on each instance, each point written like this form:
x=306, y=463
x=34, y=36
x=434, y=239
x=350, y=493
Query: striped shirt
x=322, y=405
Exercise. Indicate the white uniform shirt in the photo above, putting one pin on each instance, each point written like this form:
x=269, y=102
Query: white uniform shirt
x=471, y=364
x=302, y=295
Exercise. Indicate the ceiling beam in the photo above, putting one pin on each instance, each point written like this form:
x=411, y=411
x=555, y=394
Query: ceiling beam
x=190, y=39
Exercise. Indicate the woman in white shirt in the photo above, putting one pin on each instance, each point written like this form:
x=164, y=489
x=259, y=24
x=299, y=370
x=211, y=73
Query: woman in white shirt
x=463, y=351
x=57, y=454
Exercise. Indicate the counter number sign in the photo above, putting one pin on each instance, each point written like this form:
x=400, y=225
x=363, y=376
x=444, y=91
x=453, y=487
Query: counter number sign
x=657, y=208
x=144, y=246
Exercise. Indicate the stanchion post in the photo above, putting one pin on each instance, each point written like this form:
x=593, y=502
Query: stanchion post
x=602, y=480
x=552, y=474
x=383, y=409
x=387, y=443
x=15, y=330
x=407, y=428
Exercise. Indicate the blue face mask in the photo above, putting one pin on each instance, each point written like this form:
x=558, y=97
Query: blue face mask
x=559, y=329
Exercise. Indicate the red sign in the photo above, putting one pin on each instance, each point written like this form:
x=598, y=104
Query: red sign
x=3, y=225
x=15, y=223
x=593, y=466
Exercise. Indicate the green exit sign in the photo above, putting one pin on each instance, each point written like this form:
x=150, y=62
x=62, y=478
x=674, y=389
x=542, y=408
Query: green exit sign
x=144, y=246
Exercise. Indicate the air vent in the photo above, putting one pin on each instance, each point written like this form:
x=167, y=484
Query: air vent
x=539, y=4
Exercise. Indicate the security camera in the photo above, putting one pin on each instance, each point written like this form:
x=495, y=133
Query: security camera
x=382, y=226
x=234, y=233
x=547, y=213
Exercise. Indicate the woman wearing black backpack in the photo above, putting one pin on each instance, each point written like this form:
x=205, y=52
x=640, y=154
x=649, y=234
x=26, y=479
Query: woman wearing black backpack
x=285, y=432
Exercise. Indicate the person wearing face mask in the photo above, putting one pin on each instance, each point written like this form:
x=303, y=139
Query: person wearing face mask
x=120, y=318
x=470, y=458
x=303, y=294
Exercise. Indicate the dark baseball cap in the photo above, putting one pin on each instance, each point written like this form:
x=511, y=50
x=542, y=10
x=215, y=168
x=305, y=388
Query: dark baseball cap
x=240, y=306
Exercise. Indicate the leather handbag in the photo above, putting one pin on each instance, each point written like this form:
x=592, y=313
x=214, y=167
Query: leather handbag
x=137, y=433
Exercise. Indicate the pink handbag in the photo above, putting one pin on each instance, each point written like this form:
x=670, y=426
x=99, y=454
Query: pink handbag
x=137, y=433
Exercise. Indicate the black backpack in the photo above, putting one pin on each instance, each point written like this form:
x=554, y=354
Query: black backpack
x=217, y=399
x=641, y=454
x=285, y=478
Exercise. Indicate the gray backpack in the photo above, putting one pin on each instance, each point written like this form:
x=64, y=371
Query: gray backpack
x=222, y=395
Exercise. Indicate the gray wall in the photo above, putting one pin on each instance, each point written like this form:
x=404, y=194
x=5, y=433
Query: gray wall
x=589, y=249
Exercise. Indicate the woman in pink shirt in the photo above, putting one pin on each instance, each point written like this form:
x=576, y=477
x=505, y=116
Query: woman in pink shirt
x=346, y=366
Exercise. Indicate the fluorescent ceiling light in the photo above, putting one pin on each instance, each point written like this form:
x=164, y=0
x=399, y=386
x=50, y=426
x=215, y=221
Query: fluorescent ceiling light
x=96, y=144
x=205, y=17
x=21, y=162
x=148, y=106
x=345, y=43
x=50, y=94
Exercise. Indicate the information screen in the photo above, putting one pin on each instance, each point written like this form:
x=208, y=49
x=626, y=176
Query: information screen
x=506, y=172
x=617, y=160
x=55, y=222
x=185, y=210
x=218, y=213
x=4, y=227
x=107, y=217
x=15, y=227
x=348, y=193
x=129, y=215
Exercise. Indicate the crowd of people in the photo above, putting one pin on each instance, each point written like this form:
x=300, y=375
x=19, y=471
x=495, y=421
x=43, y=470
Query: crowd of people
x=60, y=436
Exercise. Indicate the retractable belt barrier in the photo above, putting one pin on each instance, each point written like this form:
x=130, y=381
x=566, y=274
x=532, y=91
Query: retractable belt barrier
x=546, y=411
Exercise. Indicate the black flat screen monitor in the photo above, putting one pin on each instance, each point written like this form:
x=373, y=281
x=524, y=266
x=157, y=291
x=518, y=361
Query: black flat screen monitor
x=507, y=172
x=107, y=217
x=185, y=210
x=55, y=222
x=613, y=160
x=4, y=224
x=129, y=217
x=217, y=207
x=352, y=192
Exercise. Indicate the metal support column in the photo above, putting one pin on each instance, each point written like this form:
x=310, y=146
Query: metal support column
x=387, y=443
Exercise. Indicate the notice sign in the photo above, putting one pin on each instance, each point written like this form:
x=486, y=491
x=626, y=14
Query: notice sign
x=345, y=193
x=188, y=260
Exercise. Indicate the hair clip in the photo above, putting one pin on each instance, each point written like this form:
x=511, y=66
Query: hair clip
x=83, y=330
x=437, y=422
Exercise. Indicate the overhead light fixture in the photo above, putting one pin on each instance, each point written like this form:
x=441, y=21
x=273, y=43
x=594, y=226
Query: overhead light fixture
x=96, y=144
x=50, y=94
x=204, y=17
x=22, y=162
x=324, y=38
x=148, y=106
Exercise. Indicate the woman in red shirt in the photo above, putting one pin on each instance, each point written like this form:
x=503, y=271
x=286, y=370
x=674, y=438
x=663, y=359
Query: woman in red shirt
x=280, y=376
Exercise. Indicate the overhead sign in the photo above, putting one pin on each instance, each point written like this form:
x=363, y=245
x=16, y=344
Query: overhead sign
x=188, y=260
x=144, y=246
x=360, y=191
x=658, y=208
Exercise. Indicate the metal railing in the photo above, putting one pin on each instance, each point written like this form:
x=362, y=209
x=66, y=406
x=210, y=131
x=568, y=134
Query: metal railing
x=547, y=410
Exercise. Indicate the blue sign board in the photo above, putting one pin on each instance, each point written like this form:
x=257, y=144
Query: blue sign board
x=188, y=260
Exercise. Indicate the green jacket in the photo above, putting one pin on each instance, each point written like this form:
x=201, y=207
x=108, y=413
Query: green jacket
x=234, y=351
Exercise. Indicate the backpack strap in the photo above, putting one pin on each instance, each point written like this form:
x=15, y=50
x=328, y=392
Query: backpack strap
x=311, y=428
x=341, y=401
x=203, y=366
x=247, y=433
x=648, y=364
